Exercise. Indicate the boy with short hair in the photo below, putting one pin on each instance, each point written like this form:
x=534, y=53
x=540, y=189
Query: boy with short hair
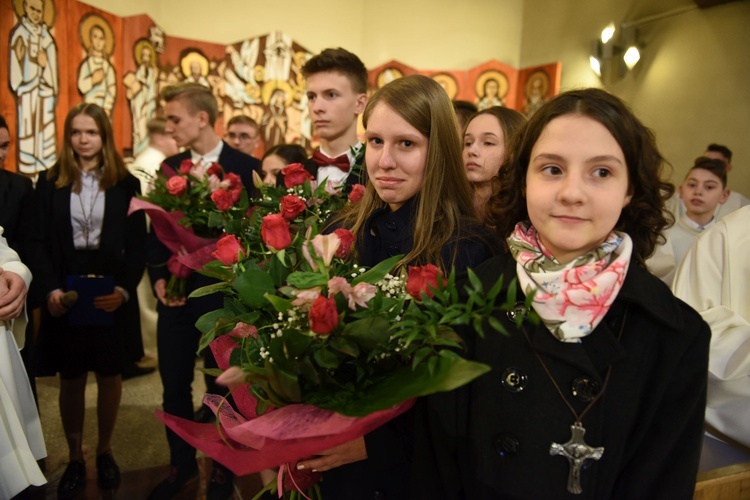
x=336, y=88
x=704, y=188
x=243, y=134
x=191, y=111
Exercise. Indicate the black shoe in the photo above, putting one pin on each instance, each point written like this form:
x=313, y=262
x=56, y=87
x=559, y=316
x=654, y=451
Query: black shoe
x=72, y=479
x=134, y=370
x=204, y=415
x=221, y=485
x=107, y=471
x=177, y=479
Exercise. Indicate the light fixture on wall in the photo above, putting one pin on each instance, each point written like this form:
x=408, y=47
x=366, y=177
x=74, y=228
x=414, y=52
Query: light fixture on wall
x=618, y=49
x=615, y=52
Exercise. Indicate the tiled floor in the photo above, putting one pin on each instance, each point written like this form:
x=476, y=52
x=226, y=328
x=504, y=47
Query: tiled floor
x=139, y=443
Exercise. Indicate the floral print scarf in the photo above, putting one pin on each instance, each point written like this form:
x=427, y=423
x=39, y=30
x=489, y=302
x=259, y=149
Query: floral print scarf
x=572, y=298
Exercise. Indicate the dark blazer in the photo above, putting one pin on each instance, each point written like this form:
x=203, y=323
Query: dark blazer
x=385, y=474
x=491, y=439
x=230, y=160
x=16, y=210
x=121, y=249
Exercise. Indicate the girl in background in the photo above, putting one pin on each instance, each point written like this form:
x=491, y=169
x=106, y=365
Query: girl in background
x=604, y=396
x=278, y=157
x=486, y=136
x=417, y=203
x=83, y=205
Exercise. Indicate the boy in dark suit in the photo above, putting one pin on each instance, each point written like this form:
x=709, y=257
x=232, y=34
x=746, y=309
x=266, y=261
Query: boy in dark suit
x=191, y=112
x=336, y=83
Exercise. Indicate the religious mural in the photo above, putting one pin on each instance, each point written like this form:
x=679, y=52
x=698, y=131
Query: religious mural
x=490, y=84
x=34, y=79
x=123, y=64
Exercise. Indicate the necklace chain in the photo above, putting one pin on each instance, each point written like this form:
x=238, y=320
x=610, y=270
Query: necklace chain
x=576, y=451
x=88, y=220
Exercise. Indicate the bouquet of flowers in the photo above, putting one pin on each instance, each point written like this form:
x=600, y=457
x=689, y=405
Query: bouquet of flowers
x=319, y=350
x=188, y=210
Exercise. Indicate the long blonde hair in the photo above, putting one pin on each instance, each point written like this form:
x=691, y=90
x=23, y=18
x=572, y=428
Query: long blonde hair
x=444, y=202
x=67, y=171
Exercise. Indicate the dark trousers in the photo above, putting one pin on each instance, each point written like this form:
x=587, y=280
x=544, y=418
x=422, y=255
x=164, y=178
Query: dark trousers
x=177, y=342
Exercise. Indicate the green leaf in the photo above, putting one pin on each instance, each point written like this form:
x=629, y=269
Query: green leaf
x=344, y=346
x=368, y=332
x=283, y=383
x=208, y=290
x=305, y=280
x=295, y=343
x=378, y=272
x=476, y=283
x=215, y=219
x=281, y=304
x=207, y=322
x=252, y=285
x=326, y=359
x=447, y=374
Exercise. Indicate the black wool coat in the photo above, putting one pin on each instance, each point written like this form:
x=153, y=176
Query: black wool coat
x=491, y=439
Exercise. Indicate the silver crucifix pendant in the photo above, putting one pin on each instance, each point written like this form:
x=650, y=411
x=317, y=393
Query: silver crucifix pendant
x=577, y=452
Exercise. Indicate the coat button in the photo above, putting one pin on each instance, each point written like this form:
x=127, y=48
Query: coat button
x=391, y=225
x=517, y=311
x=378, y=495
x=393, y=250
x=514, y=380
x=506, y=445
x=584, y=388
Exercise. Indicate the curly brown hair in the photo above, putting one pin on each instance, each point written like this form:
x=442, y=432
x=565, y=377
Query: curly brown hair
x=643, y=219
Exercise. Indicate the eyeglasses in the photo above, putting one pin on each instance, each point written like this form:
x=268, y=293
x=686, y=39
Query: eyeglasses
x=242, y=137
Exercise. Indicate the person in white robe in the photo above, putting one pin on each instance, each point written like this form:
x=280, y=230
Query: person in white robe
x=714, y=278
x=21, y=438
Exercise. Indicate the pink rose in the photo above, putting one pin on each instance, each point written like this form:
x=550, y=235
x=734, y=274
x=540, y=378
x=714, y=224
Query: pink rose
x=274, y=230
x=232, y=377
x=228, y=250
x=185, y=166
x=177, y=268
x=243, y=330
x=325, y=246
x=295, y=174
x=222, y=199
x=421, y=278
x=292, y=206
x=177, y=185
x=358, y=191
x=236, y=193
x=347, y=239
x=303, y=298
x=361, y=294
x=324, y=316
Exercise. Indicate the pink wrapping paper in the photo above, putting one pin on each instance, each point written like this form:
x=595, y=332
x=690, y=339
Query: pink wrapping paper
x=285, y=435
x=193, y=251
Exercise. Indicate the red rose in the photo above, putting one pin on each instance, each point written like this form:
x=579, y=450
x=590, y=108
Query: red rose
x=214, y=169
x=421, y=278
x=324, y=316
x=234, y=180
x=177, y=268
x=347, y=239
x=228, y=250
x=358, y=191
x=222, y=199
x=176, y=185
x=292, y=206
x=236, y=193
x=185, y=166
x=295, y=174
x=275, y=231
